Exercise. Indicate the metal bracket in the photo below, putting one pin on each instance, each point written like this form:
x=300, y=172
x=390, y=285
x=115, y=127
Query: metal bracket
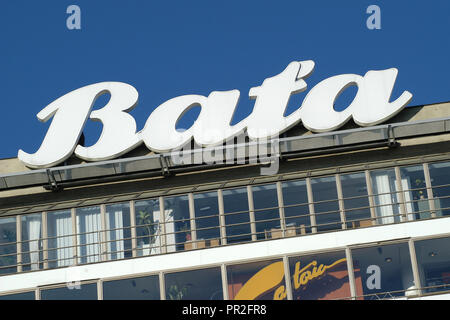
x=164, y=166
x=52, y=185
x=391, y=137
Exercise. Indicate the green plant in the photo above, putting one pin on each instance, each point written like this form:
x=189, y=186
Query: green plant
x=145, y=218
x=176, y=293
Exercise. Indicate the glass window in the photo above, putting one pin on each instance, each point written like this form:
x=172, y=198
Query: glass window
x=267, y=214
x=237, y=218
x=142, y=288
x=440, y=181
x=433, y=258
x=178, y=208
x=8, y=247
x=60, y=240
x=385, y=196
x=356, y=201
x=88, y=234
x=204, y=284
x=257, y=281
x=75, y=292
x=148, y=229
x=320, y=276
x=19, y=296
x=296, y=208
x=207, y=219
x=118, y=236
x=32, y=242
x=415, y=192
x=326, y=205
x=383, y=271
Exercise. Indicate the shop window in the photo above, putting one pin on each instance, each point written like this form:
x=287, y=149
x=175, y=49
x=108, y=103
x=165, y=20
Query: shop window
x=433, y=258
x=320, y=276
x=60, y=240
x=267, y=214
x=326, y=205
x=296, y=208
x=142, y=288
x=415, y=192
x=88, y=234
x=384, y=188
x=8, y=247
x=207, y=219
x=118, y=232
x=440, y=181
x=178, y=228
x=383, y=272
x=19, y=296
x=257, y=281
x=32, y=255
x=356, y=201
x=148, y=228
x=237, y=217
x=204, y=284
x=71, y=291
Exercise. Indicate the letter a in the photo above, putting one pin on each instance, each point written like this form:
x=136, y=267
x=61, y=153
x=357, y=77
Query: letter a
x=73, y=21
x=373, y=21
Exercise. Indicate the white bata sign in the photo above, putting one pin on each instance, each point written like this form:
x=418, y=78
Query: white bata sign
x=70, y=112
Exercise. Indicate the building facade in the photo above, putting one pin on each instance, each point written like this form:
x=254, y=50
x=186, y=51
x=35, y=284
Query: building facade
x=357, y=213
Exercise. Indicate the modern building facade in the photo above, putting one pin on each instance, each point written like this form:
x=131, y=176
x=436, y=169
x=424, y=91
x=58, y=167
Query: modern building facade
x=357, y=213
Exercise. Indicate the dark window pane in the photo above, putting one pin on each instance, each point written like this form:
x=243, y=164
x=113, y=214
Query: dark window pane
x=142, y=288
x=179, y=228
x=8, y=247
x=383, y=271
x=440, y=181
x=118, y=236
x=433, y=258
x=19, y=296
x=207, y=219
x=296, y=208
x=148, y=230
x=237, y=217
x=320, y=276
x=257, y=281
x=326, y=206
x=356, y=201
x=205, y=284
x=415, y=192
x=75, y=292
x=267, y=215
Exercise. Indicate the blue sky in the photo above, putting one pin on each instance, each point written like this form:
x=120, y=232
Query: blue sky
x=171, y=48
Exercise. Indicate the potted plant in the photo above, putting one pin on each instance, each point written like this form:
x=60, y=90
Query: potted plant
x=146, y=221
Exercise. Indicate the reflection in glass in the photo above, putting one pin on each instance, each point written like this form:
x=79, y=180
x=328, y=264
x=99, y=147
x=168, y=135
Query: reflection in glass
x=118, y=236
x=88, y=234
x=326, y=205
x=385, y=196
x=8, y=248
x=204, y=284
x=415, y=192
x=75, y=292
x=148, y=228
x=32, y=242
x=356, y=201
x=383, y=271
x=179, y=211
x=207, y=219
x=433, y=258
x=267, y=215
x=60, y=241
x=296, y=209
x=237, y=218
x=440, y=181
x=142, y=288
x=320, y=276
x=257, y=281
